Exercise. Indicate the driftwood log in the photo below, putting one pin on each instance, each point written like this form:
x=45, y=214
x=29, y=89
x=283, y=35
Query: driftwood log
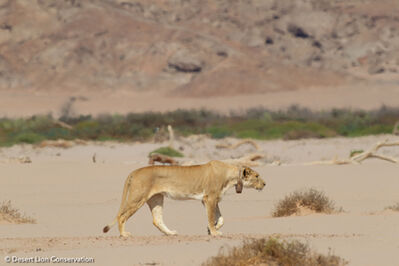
x=161, y=135
x=164, y=159
x=247, y=160
x=171, y=136
x=61, y=143
x=360, y=157
x=62, y=124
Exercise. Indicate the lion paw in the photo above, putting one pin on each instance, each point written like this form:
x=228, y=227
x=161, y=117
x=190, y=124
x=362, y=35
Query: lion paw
x=126, y=234
x=172, y=233
x=216, y=233
x=219, y=224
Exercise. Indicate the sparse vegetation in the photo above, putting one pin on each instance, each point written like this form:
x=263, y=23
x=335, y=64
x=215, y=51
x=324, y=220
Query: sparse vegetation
x=272, y=251
x=394, y=207
x=13, y=215
x=310, y=199
x=168, y=151
x=293, y=123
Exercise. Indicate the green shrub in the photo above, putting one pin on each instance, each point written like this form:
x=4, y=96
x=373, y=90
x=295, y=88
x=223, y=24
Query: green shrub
x=256, y=123
x=260, y=129
x=219, y=132
x=56, y=133
x=28, y=137
x=89, y=129
x=250, y=134
x=144, y=133
x=372, y=130
x=167, y=151
x=298, y=130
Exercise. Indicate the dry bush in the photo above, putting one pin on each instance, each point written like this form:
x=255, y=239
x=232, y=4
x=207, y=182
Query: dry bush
x=394, y=207
x=272, y=251
x=311, y=199
x=12, y=215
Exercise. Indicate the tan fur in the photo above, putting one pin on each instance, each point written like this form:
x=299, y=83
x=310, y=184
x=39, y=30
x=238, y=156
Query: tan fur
x=206, y=182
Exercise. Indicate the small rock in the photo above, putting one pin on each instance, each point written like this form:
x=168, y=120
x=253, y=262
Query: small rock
x=297, y=31
x=24, y=159
x=376, y=69
x=184, y=61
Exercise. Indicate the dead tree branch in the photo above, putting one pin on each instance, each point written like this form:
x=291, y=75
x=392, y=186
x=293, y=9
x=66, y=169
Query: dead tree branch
x=171, y=136
x=248, y=160
x=62, y=124
x=164, y=159
x=360, y=157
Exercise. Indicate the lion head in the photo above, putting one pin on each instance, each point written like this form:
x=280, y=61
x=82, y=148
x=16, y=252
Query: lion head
x=250, y=179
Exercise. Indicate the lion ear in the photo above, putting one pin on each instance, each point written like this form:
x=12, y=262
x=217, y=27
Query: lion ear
x=241, y=172
x=239, y=186
x=244, y=172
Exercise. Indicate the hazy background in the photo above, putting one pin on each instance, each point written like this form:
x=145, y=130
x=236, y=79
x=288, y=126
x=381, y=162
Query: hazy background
x=120, y=56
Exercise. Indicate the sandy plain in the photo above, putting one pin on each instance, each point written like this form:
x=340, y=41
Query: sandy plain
x=23, y=104
x=72, y=198
x=45, y=60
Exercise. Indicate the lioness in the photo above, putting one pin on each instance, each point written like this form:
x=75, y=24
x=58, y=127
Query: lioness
x=207, y=182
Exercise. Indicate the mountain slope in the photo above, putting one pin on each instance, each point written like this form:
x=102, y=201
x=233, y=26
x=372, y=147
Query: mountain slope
x=196, y=49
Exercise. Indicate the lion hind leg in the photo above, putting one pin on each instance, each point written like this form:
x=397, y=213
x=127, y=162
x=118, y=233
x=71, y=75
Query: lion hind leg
x=125, y=214
x=156, y=206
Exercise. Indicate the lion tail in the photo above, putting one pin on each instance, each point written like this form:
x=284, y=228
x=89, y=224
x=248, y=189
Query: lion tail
x=124, y=197
x=108, y=226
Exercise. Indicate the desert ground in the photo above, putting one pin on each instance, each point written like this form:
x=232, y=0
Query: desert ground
x=72, y=198
x=121, y=56
x=16, y=104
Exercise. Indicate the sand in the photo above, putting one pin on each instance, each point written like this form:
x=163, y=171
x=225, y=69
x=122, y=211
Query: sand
x=73, y=198
x=14, y=103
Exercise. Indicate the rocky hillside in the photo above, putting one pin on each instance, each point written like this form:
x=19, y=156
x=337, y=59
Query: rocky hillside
x=196, y=48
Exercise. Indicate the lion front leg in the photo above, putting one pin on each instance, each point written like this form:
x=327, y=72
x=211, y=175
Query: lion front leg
x=219, y=221
x=211, y=206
